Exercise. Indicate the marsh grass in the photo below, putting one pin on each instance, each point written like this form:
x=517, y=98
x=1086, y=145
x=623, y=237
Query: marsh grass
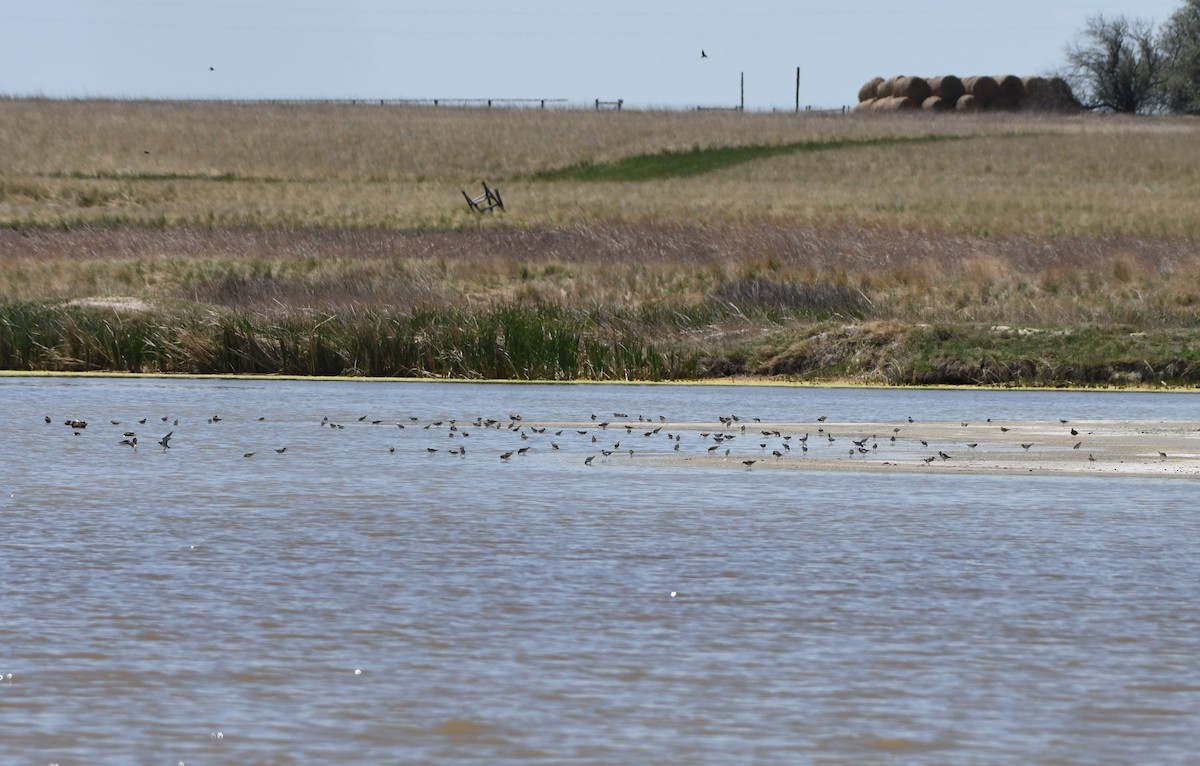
x=604, y=302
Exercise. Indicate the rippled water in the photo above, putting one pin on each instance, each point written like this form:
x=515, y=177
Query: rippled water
x=359, y=599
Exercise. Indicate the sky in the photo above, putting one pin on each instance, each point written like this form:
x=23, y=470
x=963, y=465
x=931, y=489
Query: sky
x=644, y=52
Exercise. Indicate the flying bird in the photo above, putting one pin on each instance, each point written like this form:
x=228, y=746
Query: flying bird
x=165, y=442
x=703, y=55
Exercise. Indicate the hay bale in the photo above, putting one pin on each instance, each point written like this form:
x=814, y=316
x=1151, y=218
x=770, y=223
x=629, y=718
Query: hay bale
x=1001, y=104
x=883, y=89
x=870, y=90
x=866, y=106
x=1012, y=89
x=936, y=104
x=984, y=89
x=896, y=104
x=967, y=104
x=1061, y=99
x=915, y=88
x=948, y=87
x=1035, y=92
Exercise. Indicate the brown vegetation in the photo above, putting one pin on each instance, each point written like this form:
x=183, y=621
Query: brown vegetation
x=902, y=248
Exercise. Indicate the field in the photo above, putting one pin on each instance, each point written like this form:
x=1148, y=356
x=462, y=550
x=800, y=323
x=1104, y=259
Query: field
x=334, y=239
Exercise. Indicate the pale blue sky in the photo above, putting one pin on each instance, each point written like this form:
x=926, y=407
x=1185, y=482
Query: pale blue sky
x=646, y=52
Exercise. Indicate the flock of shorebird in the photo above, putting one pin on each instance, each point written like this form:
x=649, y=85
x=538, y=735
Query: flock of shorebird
x=730, y=437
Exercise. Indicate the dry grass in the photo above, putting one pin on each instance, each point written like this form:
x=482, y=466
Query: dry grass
x=904, y=276
x=891, y=250
x=220, y=165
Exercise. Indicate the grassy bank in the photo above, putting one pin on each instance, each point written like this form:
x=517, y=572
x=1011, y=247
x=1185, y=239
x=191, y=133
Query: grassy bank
x=604, y=302
x=333, y=239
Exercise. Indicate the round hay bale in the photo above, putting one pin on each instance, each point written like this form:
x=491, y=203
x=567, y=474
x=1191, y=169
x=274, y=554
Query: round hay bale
x=1048, y=95
x=936, y=104
x=948, y=87
x=896, y=104
x=984, y=89
x=866, y=106
x=915, y=88
x=1061, y=98
x=1012, y=89
x=869, y=90
x=1036, y=90
x=883, y=89
x=1001, y=104
x=967, y=104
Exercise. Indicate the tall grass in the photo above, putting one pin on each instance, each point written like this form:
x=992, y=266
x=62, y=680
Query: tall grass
x=215, y=165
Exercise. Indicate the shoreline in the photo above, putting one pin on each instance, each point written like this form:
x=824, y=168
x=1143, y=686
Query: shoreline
x=749, y=380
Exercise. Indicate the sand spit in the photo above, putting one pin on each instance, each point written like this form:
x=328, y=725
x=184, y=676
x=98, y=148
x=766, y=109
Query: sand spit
x=1129, y=448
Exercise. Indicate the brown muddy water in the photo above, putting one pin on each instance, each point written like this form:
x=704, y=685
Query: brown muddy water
x=374, y=594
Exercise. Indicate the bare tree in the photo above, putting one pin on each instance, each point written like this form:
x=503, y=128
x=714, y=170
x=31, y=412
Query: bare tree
x=1180, y=45
x=1115, y=65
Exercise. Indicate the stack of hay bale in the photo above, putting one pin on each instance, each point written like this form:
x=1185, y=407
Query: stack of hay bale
x=948, y=93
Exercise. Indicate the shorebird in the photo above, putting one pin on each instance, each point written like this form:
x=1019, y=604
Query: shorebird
x=1026, y=446
x=248, y=454
x=165, y=442
x=588, y=460
x=749, y=463
x=281, y=450
x=1077, y=445
x=1074, y=432
x=132, y=443
x=506, y=455
x=972, y=445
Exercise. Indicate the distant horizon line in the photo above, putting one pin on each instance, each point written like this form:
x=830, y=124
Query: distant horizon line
x=457, y=102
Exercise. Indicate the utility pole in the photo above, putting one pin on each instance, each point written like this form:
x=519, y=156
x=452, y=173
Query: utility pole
x=797, y=90
x=742, y=105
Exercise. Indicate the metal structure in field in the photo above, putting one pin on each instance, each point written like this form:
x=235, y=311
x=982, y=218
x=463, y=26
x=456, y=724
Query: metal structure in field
x=486, y=202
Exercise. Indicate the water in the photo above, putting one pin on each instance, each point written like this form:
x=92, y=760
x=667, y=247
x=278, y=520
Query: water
x=344, y=603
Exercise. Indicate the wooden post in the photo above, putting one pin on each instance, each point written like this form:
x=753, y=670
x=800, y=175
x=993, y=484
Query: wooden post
x=742, y=103
x=797, y=90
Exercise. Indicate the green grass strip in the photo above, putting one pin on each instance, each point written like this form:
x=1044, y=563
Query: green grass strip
x=694, y=162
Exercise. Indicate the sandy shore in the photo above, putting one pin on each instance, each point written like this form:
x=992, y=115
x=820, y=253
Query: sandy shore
x=1130, y=448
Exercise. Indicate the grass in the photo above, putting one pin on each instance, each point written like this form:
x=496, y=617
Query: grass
x=698, y=161
x=332, y=239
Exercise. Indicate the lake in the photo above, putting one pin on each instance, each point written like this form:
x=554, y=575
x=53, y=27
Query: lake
x=376, y=594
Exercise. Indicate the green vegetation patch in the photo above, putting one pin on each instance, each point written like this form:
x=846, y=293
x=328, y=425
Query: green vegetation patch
x=697, y=161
